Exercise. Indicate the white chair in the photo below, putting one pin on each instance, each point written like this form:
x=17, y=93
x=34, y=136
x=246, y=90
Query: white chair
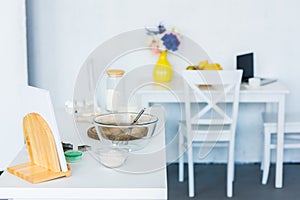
x=217, y=97
x=291, y=137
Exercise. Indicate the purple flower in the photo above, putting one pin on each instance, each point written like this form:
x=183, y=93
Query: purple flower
x=163, y=40
x=160, y=29
x=170, y=41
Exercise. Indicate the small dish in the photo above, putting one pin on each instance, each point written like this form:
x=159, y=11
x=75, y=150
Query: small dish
x=111, y=157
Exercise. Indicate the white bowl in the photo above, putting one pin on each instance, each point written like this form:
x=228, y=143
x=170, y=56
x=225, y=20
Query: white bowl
x=110, y=156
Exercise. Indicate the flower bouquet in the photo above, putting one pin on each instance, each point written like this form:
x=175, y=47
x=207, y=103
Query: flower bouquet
x=161, y=41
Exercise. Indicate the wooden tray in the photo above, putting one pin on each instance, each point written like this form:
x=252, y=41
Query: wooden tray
x=92, y=133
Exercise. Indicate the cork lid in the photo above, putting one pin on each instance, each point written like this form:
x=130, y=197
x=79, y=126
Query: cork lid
x=115, y=72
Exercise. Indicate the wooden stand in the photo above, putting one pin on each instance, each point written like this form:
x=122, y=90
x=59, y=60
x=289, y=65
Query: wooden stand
x=44, y=163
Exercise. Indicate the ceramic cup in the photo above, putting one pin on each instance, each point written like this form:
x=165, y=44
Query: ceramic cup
x=254, y=82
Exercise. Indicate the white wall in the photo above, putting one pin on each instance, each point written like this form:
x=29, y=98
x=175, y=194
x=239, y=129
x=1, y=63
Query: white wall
x=62, y=33
x=13, y=75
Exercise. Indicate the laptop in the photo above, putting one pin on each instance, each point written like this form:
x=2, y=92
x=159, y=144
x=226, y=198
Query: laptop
x=245, y=63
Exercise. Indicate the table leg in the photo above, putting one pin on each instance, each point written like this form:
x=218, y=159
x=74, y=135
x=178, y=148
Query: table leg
x=280, y=142
x=271, y=107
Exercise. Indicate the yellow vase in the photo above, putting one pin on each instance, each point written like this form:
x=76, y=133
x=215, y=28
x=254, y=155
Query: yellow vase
x=162, y=71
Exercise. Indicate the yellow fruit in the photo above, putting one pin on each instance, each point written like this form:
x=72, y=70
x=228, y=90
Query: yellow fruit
x=191, y=68
x=219, y=66
x=202, y=64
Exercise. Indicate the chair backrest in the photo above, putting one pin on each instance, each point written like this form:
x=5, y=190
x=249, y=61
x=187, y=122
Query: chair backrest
x=216, y=94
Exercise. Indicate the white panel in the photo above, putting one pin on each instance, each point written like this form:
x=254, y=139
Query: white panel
x=13, y=75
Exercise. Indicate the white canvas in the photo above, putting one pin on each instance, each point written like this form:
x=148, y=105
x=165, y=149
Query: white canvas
x=38, y=100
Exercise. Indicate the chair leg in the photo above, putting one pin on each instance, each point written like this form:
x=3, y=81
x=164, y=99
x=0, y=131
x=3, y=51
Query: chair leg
x=266, y=160
x=181, y=169
x=262, y=159
x=191, y=171
x=230, y=169
x=181, y=156
x=233, y=171
x=263, y=155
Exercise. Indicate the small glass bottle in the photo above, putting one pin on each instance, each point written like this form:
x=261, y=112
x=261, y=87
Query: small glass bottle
x=114, y=90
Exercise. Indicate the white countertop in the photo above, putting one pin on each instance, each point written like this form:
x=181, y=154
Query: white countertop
x=143, y=176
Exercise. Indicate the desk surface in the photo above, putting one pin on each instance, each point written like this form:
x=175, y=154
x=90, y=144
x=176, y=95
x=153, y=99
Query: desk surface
x=177, y=85
x=142, y=177
x=174, y=91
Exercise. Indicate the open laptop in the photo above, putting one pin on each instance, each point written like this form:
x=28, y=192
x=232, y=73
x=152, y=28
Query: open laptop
x=245, y=62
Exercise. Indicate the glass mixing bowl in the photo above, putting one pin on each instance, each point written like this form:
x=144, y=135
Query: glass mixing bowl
x=117, y=129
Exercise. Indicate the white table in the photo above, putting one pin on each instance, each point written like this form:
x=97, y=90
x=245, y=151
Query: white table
x=273, y=95
x=145, y=176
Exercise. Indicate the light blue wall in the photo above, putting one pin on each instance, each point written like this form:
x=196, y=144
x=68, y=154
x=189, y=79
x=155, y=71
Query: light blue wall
x=62, y=33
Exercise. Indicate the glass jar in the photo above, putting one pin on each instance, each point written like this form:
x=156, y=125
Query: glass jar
x=114, y=90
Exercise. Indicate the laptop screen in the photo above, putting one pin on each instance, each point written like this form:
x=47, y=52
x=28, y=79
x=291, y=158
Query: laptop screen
x=245, y=62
